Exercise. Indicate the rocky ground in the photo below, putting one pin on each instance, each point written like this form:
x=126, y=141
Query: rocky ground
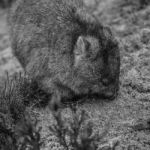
x=131, y=25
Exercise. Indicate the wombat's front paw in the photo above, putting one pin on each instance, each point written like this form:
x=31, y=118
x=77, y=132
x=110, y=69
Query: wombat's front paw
x=61, y=95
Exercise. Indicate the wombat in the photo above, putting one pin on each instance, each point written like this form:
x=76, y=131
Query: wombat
x=65, y=49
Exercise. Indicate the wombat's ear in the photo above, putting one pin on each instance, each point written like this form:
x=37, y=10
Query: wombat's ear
x=82, y=45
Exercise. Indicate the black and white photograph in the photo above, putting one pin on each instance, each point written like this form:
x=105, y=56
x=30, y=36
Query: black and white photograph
x=74, y=74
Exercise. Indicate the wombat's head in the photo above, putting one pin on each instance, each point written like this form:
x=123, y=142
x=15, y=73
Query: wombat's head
x=98, y=65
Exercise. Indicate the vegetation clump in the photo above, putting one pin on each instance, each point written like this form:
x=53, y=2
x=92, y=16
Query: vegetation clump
x=19, y=129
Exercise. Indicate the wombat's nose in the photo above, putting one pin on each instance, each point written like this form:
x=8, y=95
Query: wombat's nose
x=105, y=81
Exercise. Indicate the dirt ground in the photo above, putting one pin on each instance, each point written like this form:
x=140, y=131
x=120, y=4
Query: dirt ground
x=131, y=26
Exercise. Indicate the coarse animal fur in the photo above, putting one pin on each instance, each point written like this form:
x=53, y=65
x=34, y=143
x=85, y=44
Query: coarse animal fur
x=65, y=49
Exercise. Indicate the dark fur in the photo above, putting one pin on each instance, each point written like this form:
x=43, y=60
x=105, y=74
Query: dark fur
x=6, y=3
x=44, y=34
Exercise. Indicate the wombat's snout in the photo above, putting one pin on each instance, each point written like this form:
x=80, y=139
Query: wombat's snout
x=105, y=92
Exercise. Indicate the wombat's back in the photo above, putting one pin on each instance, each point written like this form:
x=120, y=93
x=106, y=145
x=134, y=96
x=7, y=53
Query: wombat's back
x=40, y=23
x=64, y=48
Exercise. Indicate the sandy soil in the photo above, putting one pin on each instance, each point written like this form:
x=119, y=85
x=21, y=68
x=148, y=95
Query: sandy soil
x=131, y=26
